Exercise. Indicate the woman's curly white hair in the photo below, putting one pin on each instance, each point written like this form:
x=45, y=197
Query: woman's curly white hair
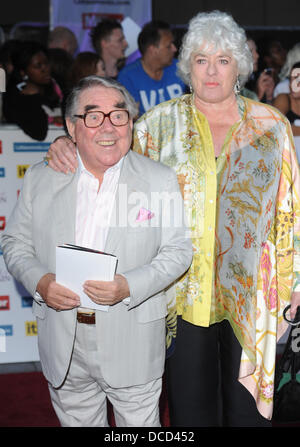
x=215, y=31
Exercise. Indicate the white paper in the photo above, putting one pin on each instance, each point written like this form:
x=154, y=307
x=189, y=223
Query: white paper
x=74, y=267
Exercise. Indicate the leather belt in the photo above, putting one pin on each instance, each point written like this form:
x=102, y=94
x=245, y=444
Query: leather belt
x=86, y=318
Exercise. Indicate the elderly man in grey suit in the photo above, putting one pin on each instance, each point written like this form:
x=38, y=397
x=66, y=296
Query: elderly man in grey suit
x=88, y=355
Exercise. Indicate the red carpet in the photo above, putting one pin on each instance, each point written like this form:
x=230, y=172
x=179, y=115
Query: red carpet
x=25, y=402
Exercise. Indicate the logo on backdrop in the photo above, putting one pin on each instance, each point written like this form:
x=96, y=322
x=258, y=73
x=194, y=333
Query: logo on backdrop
x=2, y=172
x=21, y=169
x=4, y=302
x=34, y=146
x=30, y=328
x=2, y=340
x=2, y=223
x=8, y=329
x=90, y=19
x=26, y=301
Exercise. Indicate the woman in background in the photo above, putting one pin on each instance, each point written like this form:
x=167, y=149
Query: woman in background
x=33, y=99
x=86, y=64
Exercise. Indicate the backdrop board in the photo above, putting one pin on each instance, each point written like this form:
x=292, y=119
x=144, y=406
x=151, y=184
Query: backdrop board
x=18, y=331
x=82, y=15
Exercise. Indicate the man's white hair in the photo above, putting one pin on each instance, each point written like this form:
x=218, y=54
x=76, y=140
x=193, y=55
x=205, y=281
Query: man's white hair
x=97, y=81
x=215, y=31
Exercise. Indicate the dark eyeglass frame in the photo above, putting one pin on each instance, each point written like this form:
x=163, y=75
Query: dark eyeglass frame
x=83, y=117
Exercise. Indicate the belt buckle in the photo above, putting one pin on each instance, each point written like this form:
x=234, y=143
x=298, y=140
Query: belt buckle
x=86, y=318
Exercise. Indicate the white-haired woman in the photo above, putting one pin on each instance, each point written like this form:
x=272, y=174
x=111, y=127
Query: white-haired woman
x=238, y=172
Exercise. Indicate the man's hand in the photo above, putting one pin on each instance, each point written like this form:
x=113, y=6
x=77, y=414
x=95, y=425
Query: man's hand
x=62, y=155
x=107, y=292
x=55, y=295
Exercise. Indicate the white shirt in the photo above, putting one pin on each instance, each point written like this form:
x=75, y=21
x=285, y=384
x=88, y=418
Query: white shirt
x=95, y=206
x=281, y=87
x=94, y=209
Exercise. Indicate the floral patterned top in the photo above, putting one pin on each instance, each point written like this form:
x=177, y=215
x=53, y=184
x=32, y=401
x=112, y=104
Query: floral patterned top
x=243, y=211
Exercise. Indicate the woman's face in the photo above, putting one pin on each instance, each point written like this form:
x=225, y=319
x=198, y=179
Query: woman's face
x=213, y=75
x=38, y=69
x=295, y=83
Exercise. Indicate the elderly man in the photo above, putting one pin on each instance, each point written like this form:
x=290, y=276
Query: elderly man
x=88, y=356
x=109, y=42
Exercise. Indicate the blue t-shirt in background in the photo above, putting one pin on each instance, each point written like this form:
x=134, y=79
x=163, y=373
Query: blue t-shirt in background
x=147, y=91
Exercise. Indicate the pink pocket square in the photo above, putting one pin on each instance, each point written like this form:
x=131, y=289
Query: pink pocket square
x=144, y=215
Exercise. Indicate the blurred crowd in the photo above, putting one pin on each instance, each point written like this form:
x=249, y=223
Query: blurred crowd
x=39, y=77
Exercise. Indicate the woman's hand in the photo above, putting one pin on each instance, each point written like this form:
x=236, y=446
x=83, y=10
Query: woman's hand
x=62, y=155
x=265, y=86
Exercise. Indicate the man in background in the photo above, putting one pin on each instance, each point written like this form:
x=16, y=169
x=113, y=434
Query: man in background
x=152, y=79
x=109, y=42
x=64, y=38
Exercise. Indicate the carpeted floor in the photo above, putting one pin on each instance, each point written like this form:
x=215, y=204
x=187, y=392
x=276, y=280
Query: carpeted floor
x=25, y=402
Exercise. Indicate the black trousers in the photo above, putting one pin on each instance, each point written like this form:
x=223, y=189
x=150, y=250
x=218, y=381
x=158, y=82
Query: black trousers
x=201, y=379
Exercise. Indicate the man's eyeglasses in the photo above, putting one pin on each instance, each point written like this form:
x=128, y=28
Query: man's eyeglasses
x=95, y=118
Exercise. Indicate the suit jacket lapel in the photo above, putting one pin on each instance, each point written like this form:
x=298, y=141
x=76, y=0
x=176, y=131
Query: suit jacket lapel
x=65, y=207
x=130, y=182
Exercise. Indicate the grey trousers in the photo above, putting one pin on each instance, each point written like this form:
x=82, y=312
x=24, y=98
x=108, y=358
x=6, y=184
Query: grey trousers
x=82, y=399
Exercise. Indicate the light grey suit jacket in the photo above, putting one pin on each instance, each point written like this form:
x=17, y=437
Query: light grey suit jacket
x=151, y=255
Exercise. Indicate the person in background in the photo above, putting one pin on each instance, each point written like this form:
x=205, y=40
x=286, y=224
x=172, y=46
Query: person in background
x=109, y=42
x=152, y=79
x=261, y=84
x=33, y=99
x=289, y=104
x=273, y=57
x=60, y=62
x=85, y=64
x=6, y=50
x=237, y=168
x=293, y=56
x=64, y=38
x=117, y=353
